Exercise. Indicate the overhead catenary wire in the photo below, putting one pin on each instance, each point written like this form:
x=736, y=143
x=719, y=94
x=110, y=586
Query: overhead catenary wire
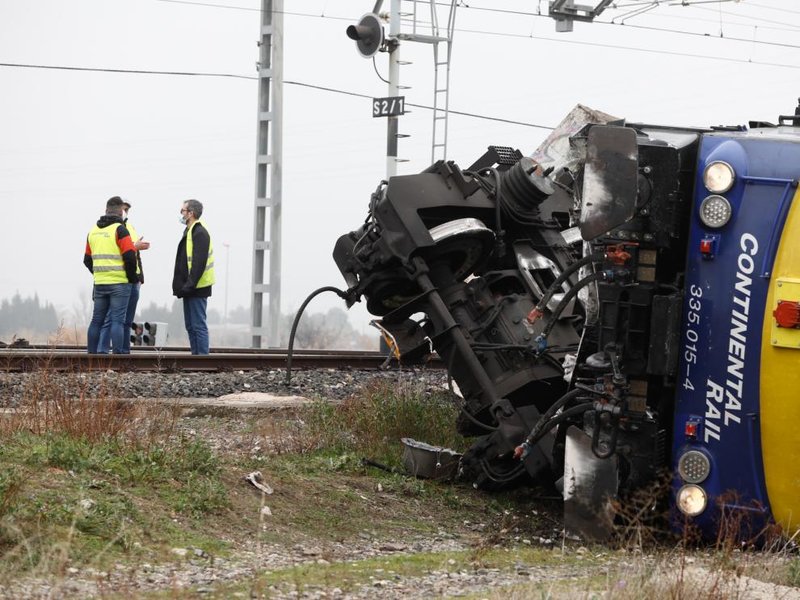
x=539, y=14
x=545, y=16
x=128, y=71
x=235, y=76
x=472, y=31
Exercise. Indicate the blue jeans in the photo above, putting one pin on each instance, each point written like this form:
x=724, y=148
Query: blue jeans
x=194, y=317
x=110, y=301
x=104, y=345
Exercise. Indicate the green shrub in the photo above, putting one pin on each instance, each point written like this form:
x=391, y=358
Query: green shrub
x=373, y=422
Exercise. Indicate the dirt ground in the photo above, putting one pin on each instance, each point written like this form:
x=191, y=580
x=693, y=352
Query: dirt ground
x=325, y=526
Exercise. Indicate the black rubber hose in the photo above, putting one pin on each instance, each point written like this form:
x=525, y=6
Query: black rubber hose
x=550, y=412
x=558, y=419
x=327, y=288
x=573, y=291
x=588, y=259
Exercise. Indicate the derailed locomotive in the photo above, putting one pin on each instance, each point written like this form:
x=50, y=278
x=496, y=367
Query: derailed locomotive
x=626, y=308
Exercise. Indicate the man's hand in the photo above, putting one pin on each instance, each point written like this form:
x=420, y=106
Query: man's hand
x=140, y=244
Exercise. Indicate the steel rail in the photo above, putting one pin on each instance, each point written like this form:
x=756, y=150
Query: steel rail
x=76, y=359
x=214, y=350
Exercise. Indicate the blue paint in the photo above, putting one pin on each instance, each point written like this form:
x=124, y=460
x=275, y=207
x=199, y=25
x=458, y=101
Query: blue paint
x=722, y=324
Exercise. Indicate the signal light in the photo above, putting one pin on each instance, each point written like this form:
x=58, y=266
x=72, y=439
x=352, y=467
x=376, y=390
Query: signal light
x=691, y=500
x=155, y=333
x=718, y=177
x=715, y=211
x=137, y=331
x=708, y=247
x=694, y=466
x=368, y=35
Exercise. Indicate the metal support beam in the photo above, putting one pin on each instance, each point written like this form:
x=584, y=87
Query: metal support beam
x=266, y=278
x=394, y=89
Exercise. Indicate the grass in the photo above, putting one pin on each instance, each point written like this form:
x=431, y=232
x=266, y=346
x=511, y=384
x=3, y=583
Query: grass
x=90, y=481
x=80, y=478
x=373, y=423
x=96, y=482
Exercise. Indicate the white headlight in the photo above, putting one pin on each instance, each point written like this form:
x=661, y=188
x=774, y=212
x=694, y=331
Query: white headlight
x=692, y=500
x=694, y=466
x=715, y=211
x=718, y=177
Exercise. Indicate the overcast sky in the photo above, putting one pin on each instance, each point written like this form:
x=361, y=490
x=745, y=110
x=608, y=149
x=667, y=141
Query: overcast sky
x=69, y=140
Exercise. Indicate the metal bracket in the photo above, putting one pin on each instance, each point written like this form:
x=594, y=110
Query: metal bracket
x=565, y=12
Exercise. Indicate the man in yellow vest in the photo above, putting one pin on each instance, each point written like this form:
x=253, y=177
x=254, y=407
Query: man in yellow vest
x=111, y=258
x=104, y=345
x=194, y=275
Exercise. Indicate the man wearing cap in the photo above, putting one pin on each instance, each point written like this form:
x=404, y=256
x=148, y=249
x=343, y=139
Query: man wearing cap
x=104, y=344
x=194, y=275
x=111, y=258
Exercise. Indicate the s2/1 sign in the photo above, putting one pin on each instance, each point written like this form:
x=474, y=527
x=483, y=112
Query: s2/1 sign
x=388, y=107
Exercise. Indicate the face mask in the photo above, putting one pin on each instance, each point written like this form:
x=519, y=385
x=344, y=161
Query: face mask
x=183, y=220
x=125, y=215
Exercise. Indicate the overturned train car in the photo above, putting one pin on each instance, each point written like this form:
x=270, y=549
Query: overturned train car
x=630, y=310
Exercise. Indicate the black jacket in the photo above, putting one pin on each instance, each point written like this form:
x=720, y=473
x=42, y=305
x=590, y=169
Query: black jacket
x=184, y=283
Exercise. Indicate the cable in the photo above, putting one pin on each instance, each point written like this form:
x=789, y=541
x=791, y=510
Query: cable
x=529, y=14
x=481, y=8
x=283, y=12
x=452, y=112
x=234, y=76
x=312, y=295
x=588, y=259
x=633, y=49
x=643, y=27
x=783, y=10
x=546, y=426
x=551, y=412
x=702, y=35
x=568, y=296
x=496, y=477
x=375, y=66
x=134, y=71
x=760, y=20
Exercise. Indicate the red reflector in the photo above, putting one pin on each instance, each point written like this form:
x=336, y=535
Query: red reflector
x=787, y=314
x=706, y=247
x=691, y=429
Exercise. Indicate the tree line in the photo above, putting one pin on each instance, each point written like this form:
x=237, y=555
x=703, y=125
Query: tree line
x=40, y=322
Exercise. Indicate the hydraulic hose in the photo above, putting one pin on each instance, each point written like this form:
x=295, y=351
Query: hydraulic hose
x=523, y=449
x=327, y=288
x=538, y=310
x=573, y=291
x=550, y=412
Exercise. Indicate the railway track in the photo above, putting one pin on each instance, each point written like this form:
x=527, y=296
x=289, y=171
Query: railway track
x=172, y=359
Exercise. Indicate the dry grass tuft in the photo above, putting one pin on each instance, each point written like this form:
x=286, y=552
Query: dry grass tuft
x=59, y=405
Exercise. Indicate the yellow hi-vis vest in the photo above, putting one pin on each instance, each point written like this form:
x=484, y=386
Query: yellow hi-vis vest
x=207, y=278
x=107, y=264
x=134, y=239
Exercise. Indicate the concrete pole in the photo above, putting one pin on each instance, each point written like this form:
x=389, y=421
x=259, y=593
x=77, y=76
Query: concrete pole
x=269, y=171
x=394, y=89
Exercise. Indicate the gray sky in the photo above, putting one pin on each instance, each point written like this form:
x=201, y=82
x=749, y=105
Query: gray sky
x=69, y=140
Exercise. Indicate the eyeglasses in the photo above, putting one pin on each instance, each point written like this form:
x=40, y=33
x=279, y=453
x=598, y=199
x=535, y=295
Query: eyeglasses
x=184, y=210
